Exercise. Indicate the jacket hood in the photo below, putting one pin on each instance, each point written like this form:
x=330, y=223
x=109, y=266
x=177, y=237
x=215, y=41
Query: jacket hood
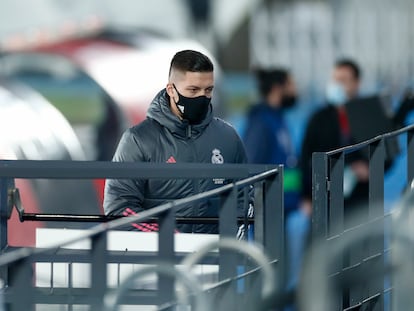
x=160, y=111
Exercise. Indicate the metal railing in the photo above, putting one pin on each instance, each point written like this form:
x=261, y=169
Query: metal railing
x=16, y=264
x=330, y=230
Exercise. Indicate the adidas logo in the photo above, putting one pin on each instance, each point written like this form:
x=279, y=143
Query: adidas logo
x=171, y=160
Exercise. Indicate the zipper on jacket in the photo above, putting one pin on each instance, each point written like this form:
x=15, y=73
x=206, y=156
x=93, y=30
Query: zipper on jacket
x=189, y=131
x=196, y=185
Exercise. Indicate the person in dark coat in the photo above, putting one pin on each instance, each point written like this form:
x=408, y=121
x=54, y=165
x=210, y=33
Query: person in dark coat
x=179, y=128
x=268, y=141
x=329, y=129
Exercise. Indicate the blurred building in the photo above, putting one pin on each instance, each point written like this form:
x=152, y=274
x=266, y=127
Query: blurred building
x=211, y=21
x=308, y=35
x=304, y=35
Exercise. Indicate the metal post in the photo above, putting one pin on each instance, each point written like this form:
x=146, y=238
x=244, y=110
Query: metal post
x=376, y=210
x=321, y=216
x=410, y=156
x=376, y=179
x=166, y=254
x=269, y=220
x=336, y=199
x=258, y=212
x=228, y=229
x=4, y=193
x=228, y=260
x=269, y=214
x=402, y=280
x=99, y=270
x=336, y=212
x=21, y=282
x=319, y=197
x=274, y=229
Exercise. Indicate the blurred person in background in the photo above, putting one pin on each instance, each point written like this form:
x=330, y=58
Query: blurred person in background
x=405, y=109
x=268, y=141
x=108, y=130
x=179, y=128
x=329, y=129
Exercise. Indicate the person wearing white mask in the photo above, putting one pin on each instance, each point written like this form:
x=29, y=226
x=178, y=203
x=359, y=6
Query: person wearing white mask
x=344, y=84
x=329, y=129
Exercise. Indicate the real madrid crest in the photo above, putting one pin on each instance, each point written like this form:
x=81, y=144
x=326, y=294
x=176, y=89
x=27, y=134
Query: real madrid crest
x=217, y=157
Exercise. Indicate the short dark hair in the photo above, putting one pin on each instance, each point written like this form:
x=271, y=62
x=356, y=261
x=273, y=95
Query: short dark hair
x=268, y=78
x=193, y=61
x=351, y=64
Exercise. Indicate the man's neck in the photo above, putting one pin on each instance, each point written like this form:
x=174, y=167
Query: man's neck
x=174, y=109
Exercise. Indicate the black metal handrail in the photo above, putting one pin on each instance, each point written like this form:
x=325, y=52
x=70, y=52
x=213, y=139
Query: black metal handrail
x=121, y=222
x=107, y=218
x=366, y=143
x=328, y=217
x=226, y=283
x=268, y=218
x=51, y=169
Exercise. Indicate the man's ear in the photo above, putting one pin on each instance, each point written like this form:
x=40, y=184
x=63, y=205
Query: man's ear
x=170, y=90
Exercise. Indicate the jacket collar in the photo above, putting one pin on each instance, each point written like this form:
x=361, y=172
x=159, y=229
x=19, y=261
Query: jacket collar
x=160, y=111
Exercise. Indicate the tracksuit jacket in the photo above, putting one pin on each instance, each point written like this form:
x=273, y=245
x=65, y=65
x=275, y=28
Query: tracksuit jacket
x=163, y=138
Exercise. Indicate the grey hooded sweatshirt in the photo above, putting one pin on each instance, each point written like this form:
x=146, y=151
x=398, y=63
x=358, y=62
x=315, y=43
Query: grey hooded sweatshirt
x=163, y=138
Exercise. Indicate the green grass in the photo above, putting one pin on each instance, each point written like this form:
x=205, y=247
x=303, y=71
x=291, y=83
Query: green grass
x=78, y=109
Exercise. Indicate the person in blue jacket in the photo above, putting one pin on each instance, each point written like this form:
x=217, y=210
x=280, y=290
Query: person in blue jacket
x=268, y=141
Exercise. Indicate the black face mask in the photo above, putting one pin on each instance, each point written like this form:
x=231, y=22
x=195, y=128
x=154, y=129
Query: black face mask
x=288, y=101
x=193, y=109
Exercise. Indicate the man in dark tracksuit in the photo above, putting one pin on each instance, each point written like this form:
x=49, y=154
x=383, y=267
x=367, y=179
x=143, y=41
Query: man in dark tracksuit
x=329, y=129
x=179, y=128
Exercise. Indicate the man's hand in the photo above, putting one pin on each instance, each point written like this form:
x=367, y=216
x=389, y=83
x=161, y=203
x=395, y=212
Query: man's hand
x=306, y=207
x=361, y=170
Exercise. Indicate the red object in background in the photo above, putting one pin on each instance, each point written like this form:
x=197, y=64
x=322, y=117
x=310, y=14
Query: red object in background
x=131, y=72
x=100, y=188
x=24, y=233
